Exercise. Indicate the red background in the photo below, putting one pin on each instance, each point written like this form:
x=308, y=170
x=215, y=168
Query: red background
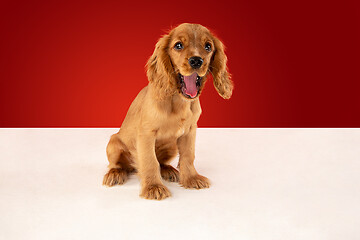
x=80, y=64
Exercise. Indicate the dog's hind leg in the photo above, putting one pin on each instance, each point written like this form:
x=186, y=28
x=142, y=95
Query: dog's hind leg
x=165, y=152
x=119, y=162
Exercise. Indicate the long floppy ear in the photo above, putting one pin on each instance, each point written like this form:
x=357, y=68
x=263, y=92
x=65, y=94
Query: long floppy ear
x=219, y=71
x=160, y=70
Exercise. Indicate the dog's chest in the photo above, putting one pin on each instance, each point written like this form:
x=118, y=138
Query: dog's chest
x=178, y=120
x=177, y=125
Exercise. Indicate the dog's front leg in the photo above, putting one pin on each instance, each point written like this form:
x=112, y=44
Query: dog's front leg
x=149, y=168
x=189, y=178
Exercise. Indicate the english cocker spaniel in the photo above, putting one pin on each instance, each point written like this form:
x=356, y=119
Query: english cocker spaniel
x=162, y=120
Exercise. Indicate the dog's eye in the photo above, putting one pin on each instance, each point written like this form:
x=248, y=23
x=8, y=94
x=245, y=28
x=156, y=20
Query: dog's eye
x=208, y=47
x=178, y=46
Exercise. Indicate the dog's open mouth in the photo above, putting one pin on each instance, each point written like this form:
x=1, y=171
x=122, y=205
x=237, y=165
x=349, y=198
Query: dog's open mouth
x=190, y=85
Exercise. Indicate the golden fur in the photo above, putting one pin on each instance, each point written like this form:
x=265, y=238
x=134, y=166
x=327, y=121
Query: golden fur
x=161, y=122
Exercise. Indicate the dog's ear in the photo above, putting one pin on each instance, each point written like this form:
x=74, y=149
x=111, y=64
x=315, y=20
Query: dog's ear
x=219, y=71
x=160, y=71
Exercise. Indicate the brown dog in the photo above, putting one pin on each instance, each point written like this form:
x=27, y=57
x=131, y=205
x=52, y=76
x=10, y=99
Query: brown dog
x=162, y=120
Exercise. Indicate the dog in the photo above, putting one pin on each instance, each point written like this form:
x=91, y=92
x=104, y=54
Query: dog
x=162, y=120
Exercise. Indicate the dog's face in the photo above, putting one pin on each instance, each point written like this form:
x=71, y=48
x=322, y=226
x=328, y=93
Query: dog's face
x=183, y=58
x=191, y=49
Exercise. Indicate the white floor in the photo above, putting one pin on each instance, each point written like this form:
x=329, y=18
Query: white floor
x=266, y=184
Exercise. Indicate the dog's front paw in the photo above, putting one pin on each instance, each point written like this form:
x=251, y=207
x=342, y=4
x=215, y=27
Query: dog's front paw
x=155, y=191
x=196, y=181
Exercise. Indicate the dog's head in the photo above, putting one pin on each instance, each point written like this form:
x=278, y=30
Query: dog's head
x=183, y=58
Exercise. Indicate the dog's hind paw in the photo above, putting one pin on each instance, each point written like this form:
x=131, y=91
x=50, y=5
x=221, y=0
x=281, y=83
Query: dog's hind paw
x=169, y=173
x=115, y=176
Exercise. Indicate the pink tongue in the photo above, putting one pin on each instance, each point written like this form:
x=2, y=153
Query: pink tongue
x=190, y=85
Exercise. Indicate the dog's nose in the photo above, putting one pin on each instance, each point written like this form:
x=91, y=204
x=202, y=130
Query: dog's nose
x=195, y=62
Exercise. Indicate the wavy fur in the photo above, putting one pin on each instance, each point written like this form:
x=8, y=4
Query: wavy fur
x=162, y=120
